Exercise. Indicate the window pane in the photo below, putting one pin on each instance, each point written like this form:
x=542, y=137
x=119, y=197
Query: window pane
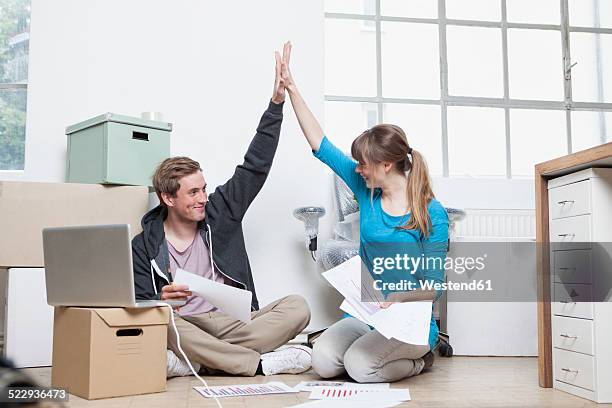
x=367, y=7
x=536, y=136
x=350, y=58
x=12, y=128
x=422, y=125
x=590, y=129
x=592, y=77
x=344, y=121
x=476, y=141
x=584, y=13
x=14, y=40
x=487, y=10
x=474, y=61
x=535, y=64
x=410, y=69
x=534, y=12
x=409, y=8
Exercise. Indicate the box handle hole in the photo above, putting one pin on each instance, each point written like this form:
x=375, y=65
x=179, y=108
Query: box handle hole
x=140, y=136
x=129, y=332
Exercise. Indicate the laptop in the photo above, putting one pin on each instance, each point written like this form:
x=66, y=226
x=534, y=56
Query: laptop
x=91, y=266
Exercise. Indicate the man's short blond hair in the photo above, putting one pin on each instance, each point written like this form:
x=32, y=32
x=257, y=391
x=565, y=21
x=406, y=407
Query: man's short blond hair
x=169, y=172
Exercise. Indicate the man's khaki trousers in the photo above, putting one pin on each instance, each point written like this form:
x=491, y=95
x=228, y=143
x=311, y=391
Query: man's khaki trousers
x=221, y=343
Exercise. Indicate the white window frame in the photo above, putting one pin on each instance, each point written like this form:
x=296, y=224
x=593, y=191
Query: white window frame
x=506, y=103
x=19, y=86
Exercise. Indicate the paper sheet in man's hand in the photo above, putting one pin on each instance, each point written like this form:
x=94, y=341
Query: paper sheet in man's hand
x=232, y=301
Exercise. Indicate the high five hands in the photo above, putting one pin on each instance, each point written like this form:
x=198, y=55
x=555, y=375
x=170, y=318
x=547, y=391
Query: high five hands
x=283, y=79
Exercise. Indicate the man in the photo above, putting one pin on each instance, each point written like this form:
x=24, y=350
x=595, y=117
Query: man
x=203, y=235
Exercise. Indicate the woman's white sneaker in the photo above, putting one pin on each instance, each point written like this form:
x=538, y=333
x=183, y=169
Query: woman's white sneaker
x=287, y=360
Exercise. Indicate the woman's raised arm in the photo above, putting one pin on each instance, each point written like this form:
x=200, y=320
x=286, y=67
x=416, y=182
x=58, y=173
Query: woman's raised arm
x=309, y=124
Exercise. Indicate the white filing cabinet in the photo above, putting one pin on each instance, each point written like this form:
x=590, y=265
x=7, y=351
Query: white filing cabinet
x=580, y=218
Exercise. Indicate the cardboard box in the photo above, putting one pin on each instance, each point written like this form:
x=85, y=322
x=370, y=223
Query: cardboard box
x=26, y=208
x=116, y=149
x=109, y=352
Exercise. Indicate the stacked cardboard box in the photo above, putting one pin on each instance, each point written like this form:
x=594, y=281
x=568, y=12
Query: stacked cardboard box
x=26, y=208
x=97, y=353
x=109, y=352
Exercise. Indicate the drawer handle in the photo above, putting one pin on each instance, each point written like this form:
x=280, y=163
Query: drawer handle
x=567, y=336
x=569, y=370
x=562, y=202
x=566, y=269
x=567, y=235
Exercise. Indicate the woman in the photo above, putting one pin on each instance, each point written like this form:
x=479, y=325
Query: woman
x=398, y=210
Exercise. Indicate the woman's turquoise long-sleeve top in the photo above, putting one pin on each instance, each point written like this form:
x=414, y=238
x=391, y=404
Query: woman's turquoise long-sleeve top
x=381, y=239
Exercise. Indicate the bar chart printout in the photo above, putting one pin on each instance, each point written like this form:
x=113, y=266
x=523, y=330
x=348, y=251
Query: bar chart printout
x=245, y=390
x=360, y=394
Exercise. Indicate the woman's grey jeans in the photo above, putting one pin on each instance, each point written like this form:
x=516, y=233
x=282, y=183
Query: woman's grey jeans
x=366, y=355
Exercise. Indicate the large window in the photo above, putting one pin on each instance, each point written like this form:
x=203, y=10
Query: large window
x=14, y=46
x=482, y=87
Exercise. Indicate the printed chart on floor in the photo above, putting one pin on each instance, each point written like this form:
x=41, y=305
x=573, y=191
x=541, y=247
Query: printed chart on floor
x=308, y=386
x=245, y=390
x=360, y=394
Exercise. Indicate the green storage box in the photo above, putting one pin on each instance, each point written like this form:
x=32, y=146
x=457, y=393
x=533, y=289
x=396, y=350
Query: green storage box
x=116, y=149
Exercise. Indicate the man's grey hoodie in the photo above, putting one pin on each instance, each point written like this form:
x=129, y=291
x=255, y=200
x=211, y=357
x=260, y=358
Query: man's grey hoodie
x=224, y=211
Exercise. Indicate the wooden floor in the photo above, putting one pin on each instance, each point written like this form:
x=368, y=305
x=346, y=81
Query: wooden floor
x=451, y=382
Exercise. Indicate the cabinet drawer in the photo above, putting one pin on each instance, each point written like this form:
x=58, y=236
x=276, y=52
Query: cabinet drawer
x=573, y=334
x=574, y=368
x=570, y=200
x=572, y=266
x=573, y=300
x=571, y=233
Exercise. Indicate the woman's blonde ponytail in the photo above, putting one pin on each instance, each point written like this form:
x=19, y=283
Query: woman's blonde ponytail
x=419, y=193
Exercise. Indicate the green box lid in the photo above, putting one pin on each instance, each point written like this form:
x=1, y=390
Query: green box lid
x=113, y=117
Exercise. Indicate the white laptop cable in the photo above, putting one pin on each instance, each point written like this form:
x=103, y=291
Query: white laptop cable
x=212, y=263
x=178, y=344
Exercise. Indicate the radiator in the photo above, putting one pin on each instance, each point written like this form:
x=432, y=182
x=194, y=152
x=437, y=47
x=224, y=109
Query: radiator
x=494, y=328
x=482, y=224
